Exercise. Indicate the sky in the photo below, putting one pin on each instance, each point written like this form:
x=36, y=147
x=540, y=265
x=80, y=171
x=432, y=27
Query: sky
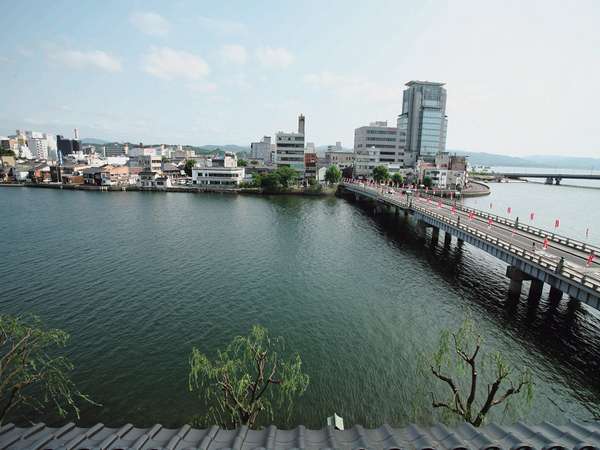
x=522, y=76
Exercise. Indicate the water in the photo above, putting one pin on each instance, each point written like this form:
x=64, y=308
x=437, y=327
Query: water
x=138, y=279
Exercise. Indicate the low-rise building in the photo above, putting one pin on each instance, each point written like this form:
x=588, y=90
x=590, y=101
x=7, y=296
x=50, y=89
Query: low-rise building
x=106, y=175
x=261, y=151
x=219, y=171
x=340, y=159
x=151, y=179
x=377, y=145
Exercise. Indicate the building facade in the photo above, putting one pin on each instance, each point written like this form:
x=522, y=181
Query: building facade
x=219, y=171
x=376, y=145
x=261, y=150
x=290, y=148
x=423, y=124
x=38, y=145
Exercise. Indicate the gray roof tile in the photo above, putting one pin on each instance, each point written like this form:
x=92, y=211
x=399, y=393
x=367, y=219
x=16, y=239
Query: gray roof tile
x=573, y=435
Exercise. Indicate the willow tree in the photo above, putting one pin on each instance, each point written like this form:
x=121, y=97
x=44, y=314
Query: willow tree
x=250, y=378
x=476, y=381
x=32, y=375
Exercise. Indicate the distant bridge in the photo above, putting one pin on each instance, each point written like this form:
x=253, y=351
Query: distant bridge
x=550, y=177
x=532, y=253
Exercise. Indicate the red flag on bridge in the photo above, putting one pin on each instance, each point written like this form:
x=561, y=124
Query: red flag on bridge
x=531, y=216
x=439, y=204
x=590, y=259
x=490, y=222
x=491, y=205
x=453, y=210
x=556, y=223
x=509, y=210
x=471, y=215
x=545, y=243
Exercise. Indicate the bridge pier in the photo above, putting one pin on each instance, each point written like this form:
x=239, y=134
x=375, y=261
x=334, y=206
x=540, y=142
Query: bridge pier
x=549, y=180
x=421, y=228
x=535, y=289
x=516, y=277
x=459, y=242
x=447, y=239
x=557, y=180
x=555, y=294
x=435, y=234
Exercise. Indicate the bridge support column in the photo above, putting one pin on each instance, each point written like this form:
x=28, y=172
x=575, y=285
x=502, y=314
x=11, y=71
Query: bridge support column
x=555, y=294
x=516, y=280
x=459, y=242
x=435, y=235
x=421, y=229
x=549, y=180
x=535, y=289
x=447, y=239
x=557, y=180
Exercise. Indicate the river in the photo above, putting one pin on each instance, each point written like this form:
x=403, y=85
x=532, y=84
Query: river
x=138, y=279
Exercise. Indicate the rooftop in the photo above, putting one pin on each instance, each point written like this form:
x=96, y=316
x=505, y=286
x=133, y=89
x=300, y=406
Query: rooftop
x=572, y=435
x=427, y=83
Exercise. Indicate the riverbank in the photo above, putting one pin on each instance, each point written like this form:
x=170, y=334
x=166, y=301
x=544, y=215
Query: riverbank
x=309, y=191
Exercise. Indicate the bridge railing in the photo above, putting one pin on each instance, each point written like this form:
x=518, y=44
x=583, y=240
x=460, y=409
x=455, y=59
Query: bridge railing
x=590, y=280
x=553, y=237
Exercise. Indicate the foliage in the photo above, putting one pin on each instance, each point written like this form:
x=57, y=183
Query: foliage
x=246, y=379
x=254, y=162
x=381, y=174
x=427, y=181
x=188, y=166
x=333, y=175
x=30, y=375
x=287, y=176
x=282, y=178
x=4, y=152
x=460, y=363
x=242, y=163
x=397, y=179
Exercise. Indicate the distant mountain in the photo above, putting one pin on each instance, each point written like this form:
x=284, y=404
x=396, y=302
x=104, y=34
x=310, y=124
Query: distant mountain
x=94, y=141
x=563, y=162
x=225, y=148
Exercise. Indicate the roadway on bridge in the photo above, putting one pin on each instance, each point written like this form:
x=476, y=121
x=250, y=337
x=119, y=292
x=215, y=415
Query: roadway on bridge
x=573, y=258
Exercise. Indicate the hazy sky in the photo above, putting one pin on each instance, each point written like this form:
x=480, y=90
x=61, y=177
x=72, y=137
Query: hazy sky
x=522, y=77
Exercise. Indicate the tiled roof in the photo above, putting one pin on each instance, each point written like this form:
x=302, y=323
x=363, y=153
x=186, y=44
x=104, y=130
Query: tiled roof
x=573, y=435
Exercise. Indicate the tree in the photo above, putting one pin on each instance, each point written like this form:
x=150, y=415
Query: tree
x=242, y=163
x=4, y=152
x=31, y=375
x=427, y=181
x=287, y=176
x=246, y=379
x=397, y=179
x=380, y=174
x=333, y=175
x=463, y=350
x=188, y=166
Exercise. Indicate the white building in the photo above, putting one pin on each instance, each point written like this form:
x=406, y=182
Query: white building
x=220, y=171
x=377, y=145
x=38, y=145
x=150, y=163
x=261, y=150
x=290, y=148
x=143, y=151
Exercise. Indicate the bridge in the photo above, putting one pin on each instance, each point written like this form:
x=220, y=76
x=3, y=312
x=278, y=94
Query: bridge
x=550, y=177
x=568, y=266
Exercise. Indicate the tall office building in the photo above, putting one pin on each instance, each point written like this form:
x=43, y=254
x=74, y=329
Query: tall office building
x=290, y=148
x=261, y=150
x=423, y=123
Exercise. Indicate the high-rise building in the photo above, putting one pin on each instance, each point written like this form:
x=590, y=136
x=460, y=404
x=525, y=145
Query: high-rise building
x=38, y=145
x=290, y=148
x=423, y=123
x=65, y=146
x=261, y=150
x=377, y=145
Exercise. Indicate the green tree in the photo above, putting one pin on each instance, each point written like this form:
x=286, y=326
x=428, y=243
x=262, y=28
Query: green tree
x=397, y=179
x=188, y=166
x=4, y=152
x=242, y=163
x=427, y=181
x=333, y=175
x=248, y=378
x=381, y=174
x=31, y=375
x=287, y=176
x=469, y=398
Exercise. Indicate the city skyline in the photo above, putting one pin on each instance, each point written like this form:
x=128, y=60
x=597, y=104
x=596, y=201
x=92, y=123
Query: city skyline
x=229, y=74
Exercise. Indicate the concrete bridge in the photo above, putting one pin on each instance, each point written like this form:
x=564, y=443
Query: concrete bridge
x=550, y=177
x=531, y=253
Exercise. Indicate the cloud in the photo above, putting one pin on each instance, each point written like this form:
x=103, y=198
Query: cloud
x=351, y=87
x=167, y=63
x=150, y=23
x=77, y=59
x=234, y=53
x=221, y=26
x=276, y=58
